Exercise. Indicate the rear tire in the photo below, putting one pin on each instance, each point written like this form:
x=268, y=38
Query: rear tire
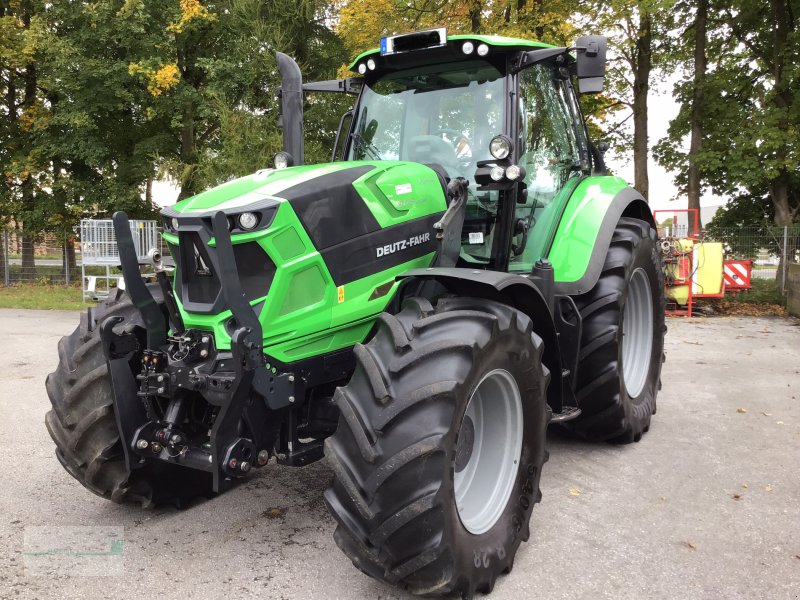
x=83, y=425
x=396, y=454
x=622, y=344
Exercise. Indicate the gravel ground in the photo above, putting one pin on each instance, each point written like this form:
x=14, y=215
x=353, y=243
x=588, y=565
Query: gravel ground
x=706, y=506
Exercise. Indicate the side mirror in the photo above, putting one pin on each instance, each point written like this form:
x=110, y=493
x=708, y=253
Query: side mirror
x=591, y=63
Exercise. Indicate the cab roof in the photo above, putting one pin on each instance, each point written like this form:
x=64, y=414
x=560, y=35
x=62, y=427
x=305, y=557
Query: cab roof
x=505, y=44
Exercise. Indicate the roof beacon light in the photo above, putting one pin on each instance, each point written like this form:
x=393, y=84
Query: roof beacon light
x=483, y=50
x=419, y=40
x=468, y=47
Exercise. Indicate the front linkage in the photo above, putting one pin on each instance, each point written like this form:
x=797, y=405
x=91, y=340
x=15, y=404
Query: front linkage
x=148, y=366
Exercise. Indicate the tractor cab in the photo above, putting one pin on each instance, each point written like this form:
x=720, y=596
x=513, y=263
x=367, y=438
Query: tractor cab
x=500, y=113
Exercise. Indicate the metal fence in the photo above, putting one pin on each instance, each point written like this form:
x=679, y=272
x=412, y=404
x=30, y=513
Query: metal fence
x=766, y=246
x=65, y=260
x=770, y=248
x=45, y=260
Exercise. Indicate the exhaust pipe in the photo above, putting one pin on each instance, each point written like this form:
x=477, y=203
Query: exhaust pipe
x=291, y=95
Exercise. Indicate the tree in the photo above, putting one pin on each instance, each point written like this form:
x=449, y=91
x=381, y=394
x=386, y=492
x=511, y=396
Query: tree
x=638, y=47
x=20, y=164
x=750, y=109
x=694, y=188
x=363, y=22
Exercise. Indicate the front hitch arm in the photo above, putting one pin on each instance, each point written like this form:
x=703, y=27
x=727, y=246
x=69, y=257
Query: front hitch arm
x=250, y=338
x=154, y=321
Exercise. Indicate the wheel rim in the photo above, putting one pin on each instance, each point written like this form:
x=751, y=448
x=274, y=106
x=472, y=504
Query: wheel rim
x=488, y=451
x=637, y=333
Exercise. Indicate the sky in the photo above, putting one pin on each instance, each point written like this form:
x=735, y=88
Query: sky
x=662, y=108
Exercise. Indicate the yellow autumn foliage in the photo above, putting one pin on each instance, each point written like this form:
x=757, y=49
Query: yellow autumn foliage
x=191, y=10
x=159, y=80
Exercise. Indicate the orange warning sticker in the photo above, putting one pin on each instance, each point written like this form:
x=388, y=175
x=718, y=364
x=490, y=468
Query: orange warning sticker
x=340, y=290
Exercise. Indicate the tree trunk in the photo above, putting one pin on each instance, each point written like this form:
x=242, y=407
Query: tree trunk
x=784, y=215
x=188, y=154
x=28, y=192
x=475, y=9
x=28, y=270
x=641, y=87
x=72, y=263
x=3, y=239
x=698, y=93
x=148, y=192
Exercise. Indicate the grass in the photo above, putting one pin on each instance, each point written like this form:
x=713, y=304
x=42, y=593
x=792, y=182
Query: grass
x=44, y=297
x=762, y=291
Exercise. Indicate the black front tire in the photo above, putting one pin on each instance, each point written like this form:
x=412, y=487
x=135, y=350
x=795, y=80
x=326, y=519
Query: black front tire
x=83, y=425
x=608, y=412
x=393, y=453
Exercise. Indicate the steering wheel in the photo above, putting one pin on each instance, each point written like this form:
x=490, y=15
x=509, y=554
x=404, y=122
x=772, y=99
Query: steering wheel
x=461, y=143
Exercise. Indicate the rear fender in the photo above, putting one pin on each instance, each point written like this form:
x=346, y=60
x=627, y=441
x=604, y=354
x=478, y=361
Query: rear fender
x=584, y=234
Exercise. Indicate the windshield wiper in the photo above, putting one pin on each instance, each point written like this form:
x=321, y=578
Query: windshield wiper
x=368, y=147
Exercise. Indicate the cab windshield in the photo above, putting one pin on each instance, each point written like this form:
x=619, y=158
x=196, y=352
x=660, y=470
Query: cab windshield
x=441, y=115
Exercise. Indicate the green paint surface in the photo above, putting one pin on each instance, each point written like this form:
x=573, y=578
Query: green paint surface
x=577, y=230
x=302, y=315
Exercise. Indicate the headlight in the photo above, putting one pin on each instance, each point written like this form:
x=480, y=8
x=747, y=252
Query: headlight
x=468, y=47
x=174, y=223
x=514, y=172
x=248, y=220
x=500, y=147
x=283, y=160
x=497, y=173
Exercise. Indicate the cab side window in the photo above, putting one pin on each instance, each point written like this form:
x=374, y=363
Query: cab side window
x=548, y=146
x=548, y=150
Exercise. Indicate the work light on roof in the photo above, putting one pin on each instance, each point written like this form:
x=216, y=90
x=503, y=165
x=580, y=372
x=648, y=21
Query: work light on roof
x=371, y=64
x=483, y=50
x=362, y=68
x=467, y=47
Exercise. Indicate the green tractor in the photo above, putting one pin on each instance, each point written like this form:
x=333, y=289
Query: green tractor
x=460, y=275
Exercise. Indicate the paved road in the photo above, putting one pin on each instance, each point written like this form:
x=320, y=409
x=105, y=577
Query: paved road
x=669, y=517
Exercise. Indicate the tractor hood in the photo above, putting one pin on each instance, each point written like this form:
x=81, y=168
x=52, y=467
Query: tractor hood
x=387, y=187
x=321, y=249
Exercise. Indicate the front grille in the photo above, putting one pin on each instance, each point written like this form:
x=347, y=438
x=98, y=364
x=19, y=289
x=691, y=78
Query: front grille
x=256, y=270
x=197, y=283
